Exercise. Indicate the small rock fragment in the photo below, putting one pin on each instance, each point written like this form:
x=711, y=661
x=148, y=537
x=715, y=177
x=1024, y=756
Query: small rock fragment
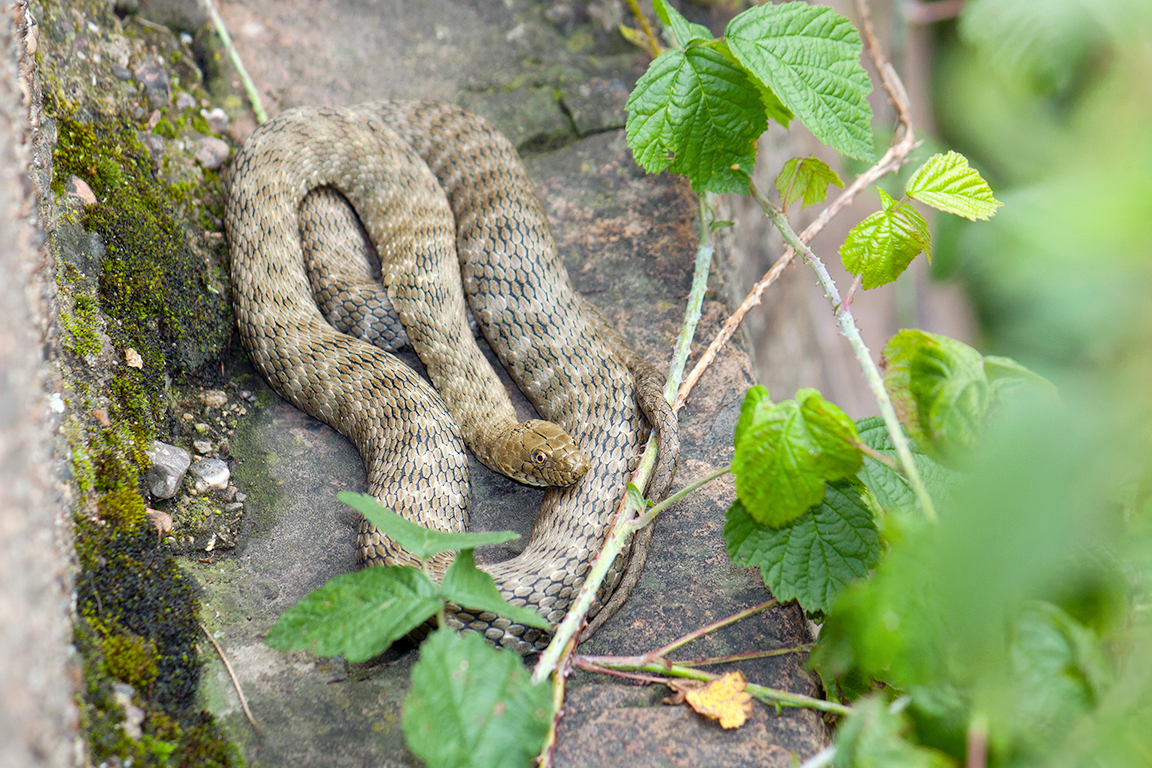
x=216, y=118
x=212, y=152
x=79, y=189
x=185, y=100
x=214, y=398
x=132, y=359
x=203, y=447
x=133, y=715
x=209, y=474
x=169, y=463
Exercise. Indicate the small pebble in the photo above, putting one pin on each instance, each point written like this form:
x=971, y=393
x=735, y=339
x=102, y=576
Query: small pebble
x=169, y=464
x=233, y=507
x=185, y=100
x=209, y=474
x=203, y=447
x=162, y=520
x=217, y=119
x=212, y=152
x=241, y=497
x=214, y=398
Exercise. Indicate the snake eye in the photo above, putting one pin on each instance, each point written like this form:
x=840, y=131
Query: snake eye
x=539, y=458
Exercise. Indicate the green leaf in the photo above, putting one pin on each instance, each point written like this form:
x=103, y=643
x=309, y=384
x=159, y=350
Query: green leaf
x=469, y=587
x=698, y=114
x=357, y=615
x=805, y=178
x=1008, y=378
x=787, y=451
x=473, y=706
x=890, y=489
x=882, y=246
x=748, y=409
x=672, y=19
x=939, y=389
x=809, y=56
x=420, y=541
x=874, y=738
x=814, y=556
x=947, y=183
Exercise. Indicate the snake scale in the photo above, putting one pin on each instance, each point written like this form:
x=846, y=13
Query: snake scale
x=452, y=213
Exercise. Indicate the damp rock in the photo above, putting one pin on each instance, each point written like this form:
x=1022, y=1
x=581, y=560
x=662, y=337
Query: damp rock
x=209, y=474
x=169, y=464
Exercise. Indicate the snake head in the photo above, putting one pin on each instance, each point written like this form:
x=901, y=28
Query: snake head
x=541, y=453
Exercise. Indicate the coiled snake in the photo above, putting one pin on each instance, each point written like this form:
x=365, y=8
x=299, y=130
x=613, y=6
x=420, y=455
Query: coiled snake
x=445, y=200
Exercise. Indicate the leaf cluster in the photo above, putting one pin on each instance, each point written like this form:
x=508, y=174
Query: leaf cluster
x=700, y=107
x=358, y=615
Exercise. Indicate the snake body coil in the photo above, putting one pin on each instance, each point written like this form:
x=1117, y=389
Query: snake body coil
x=422, y=177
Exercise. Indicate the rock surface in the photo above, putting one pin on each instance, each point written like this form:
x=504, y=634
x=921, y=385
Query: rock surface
x=628, y=241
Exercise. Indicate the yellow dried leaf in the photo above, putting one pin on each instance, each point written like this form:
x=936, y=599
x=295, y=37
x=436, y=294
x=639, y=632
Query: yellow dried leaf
x=723, y=699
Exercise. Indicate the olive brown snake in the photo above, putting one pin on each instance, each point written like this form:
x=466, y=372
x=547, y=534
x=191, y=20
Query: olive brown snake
x=444, y=200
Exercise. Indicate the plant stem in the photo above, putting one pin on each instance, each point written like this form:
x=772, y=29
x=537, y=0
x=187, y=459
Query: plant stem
x=698, y=633
x=714, y=660
x=852, y=333
x=621, y=534
x=656, y=509
x=234, y=55
x=765, y=694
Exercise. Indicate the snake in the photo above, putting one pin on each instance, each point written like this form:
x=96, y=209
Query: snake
x=448, y=206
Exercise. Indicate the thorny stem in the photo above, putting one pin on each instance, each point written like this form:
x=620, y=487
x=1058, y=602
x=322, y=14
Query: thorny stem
x=628, y=509
x=773, y=696
x=852, y=333
x=234, y=55
x=544, y=760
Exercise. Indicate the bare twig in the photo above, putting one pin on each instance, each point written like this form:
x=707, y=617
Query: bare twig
x=695, y=634
x=654, y=44
x=711, y=661
x=235, y=680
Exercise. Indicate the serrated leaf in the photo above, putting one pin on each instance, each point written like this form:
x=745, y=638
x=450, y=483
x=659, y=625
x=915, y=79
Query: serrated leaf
x=946, y=182
x=890, y=489
x=472, y=706
x=724, y=699
x=752, y=399
x=873, y=738
x=469, y=587
x=1007, y=378
x=882, y=246
x=420, y=541
x=813, y=557
x=939, y=389
x=773, y=107
x=809, y=56
x=696, y=113
x=671, y=18
x=787, y=451
x=357, y=615
x=805, y=179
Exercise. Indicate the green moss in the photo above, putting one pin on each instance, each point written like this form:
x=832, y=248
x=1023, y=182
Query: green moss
x=127, y=656
x=80, y=337
x=151, y=285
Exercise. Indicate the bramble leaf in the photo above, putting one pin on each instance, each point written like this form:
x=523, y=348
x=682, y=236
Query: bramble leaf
x=873, y=737
x=939, y=389
x=805, y=178
x=787, y=451
x=473, y=706
x=420, y=541
x=947, y=183
x=882, y=246
x=683, y=30
x=357, y=615
x=699, y=115
x=809, y=56
x=814, y=556
x=469, y=587
x=752, y=398
x=890, y=489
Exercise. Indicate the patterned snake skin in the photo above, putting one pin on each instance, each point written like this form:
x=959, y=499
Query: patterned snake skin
x=428, y=178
